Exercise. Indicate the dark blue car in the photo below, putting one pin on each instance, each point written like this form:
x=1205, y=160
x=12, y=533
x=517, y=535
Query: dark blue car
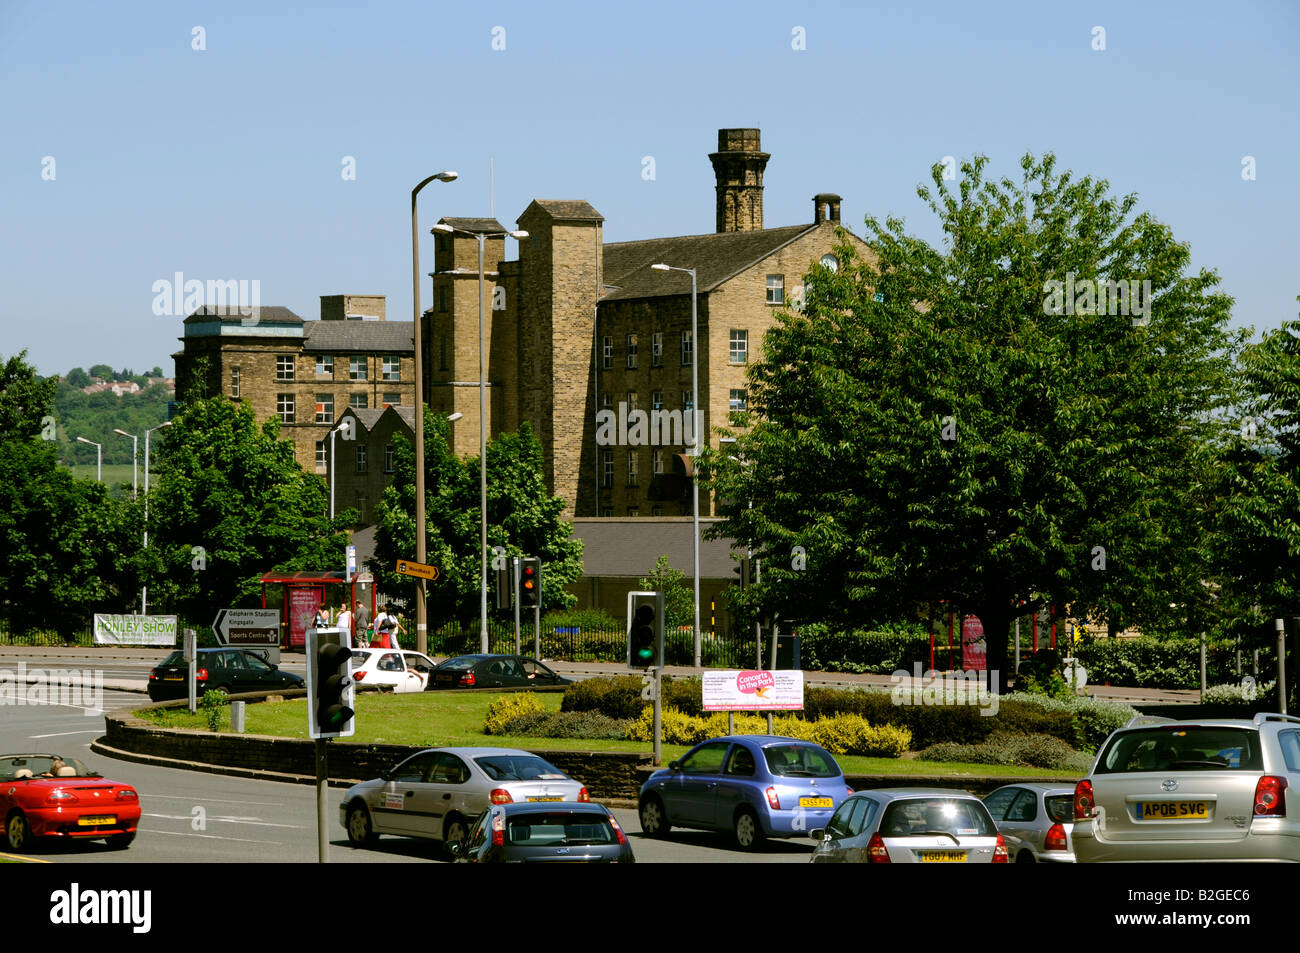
x=755, y=786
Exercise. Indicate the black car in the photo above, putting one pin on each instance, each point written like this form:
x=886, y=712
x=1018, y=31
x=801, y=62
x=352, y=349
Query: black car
x=493, y=671
x=565, y=832
x=224, y=670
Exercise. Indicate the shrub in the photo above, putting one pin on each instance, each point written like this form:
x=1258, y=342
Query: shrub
x=1035, y=751
x=1154, y=662
x=883, y=650
x=213, y=703
x=617, y=697
x=715, y=725
x=567, y=724
x=677, y=728
x=685, y=694
x=852, y=734
x=1094, y=719
x=791, y=726
x=508, y=707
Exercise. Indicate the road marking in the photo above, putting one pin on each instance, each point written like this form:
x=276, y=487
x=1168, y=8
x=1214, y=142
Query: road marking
x=242, y=840
x=30, y=860
x=213, y=800
x=252, y=821
x=60, y=734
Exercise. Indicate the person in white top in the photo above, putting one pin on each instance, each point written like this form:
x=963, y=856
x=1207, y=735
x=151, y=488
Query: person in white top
x=344, y=621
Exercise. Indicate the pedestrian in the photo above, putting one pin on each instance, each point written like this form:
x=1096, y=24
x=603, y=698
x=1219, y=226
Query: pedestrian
x=363, y=623
x=322, y=619
x=391, y=626
x=344, y=621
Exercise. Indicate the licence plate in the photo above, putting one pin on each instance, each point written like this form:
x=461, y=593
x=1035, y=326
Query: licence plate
x=816, y=802
x=173, y=678
x=1172, y=810
x=97, y=820
x=546, y=799
x=943, y=857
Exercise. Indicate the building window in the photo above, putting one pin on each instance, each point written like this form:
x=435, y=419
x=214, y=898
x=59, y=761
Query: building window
x=324, y=408
x=284, y=367
x=739, y=346
x=284, y=407
x=361, y=458
x=392, y=400
x=776, y=289
x=324, y=366
x=633, y=511
x=688, y=349
x=631, y=352
x=688, y=401
x=658, y=461
x=657, y=349
x=389, y=459
x=607, y=468
x=604, y=402
x=606, y=353
x=322, y=459
x=656, y=400
x=631, y=468
x=359, y=401
x=357, y=368
x=234, y=382
x=631, y=400
x=392, y=369
x=738, y=401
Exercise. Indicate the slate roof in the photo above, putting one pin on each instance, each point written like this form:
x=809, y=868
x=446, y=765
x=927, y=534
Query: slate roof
x=266, y=314
x=396, y=337
x=473, y=224
x=570, y=210
x=715, y=258
x=369, y=416
x=629, y=546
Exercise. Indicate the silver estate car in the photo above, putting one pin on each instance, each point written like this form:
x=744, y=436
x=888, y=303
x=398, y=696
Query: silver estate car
x=1211, y=790
x=1036, y=821
x=438, y=792
x=910, y=826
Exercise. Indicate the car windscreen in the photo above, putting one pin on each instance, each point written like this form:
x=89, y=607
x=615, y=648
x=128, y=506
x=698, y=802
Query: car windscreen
x=560, y=829
x=800, y=761
x=1167, y=748
x=1060, y=808
x=176, y=658
x=519, y=767
x=926, y=817
x=15, y=768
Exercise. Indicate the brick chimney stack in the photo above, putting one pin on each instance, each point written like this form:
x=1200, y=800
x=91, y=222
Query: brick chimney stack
x=738, y=165
x=821, y=202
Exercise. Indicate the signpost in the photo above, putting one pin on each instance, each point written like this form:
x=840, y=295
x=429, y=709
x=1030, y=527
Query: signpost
x=408, y=567
x=257, y=629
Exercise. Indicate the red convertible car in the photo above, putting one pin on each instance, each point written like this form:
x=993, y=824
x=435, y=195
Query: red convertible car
x=46, y=796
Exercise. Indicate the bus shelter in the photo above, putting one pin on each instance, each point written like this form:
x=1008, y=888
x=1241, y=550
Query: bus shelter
x=300, y=594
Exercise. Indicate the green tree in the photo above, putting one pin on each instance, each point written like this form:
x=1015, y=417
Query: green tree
x=679, y=596
x=77, y=377
x=230, y=504
x=938, y=425
x=523, y=519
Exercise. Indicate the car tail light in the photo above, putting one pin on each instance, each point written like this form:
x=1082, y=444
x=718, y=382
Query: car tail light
x=773, y=801
x=1056, y=838
x=499, y=830
x=153, y=675
x=1084, y=803
x=61, y=797
x=848, y=791
x=467, y=678
x=613, y=821
x=201, y=675
x=127, y=794
x=877, y=852
x=1000, y=855
x=358, y=676
x=584, y=797
x=1270, y=796
x=500, y=796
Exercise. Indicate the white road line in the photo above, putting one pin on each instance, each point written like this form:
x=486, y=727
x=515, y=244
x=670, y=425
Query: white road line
x=210, y=800
x=60, y=734
x=242, y=840
x=251, y=821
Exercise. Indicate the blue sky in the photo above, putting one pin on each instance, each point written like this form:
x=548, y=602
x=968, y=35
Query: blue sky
x=226, y=162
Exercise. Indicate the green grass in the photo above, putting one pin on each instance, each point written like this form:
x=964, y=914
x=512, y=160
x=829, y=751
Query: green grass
x=445, y=719
x=115, y=476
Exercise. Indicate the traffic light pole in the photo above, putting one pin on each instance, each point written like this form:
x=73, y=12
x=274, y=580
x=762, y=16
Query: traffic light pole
x=514, y=579
x=537, y=617
x=659, y=718
x=322, y=786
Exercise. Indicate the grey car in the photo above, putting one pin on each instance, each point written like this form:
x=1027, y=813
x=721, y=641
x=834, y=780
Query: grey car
x=910, y=826
x=1205, y=790
x=1035, y=820
x=438, y=792
x=563, y=833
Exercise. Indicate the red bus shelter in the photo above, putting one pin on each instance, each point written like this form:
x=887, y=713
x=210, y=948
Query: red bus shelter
x=300, y=594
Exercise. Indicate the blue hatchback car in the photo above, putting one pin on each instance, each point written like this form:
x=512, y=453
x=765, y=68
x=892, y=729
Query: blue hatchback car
x=755, y=786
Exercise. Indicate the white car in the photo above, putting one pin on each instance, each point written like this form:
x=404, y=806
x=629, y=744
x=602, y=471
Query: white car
x=396, y=670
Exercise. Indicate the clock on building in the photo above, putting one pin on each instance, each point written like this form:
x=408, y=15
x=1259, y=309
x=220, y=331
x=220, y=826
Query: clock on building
x=831, y=262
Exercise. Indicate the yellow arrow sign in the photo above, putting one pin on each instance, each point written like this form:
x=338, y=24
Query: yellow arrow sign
x=407, y=567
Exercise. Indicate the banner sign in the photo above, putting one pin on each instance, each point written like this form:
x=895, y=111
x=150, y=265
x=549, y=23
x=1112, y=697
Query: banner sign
x=135, y=629
x=780, y=690
x=973, y=646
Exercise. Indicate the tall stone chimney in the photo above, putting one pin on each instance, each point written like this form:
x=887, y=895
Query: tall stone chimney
x=738, y=165
x=823, y=201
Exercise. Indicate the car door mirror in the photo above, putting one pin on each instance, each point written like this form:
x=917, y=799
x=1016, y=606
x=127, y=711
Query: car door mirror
x=818, y=833
x=455, y=847
x=674, y=765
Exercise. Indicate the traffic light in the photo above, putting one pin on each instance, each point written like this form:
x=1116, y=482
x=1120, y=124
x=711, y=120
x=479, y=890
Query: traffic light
x=503, y=584
x=645, y=630
x=330, y=691
x=530, y=583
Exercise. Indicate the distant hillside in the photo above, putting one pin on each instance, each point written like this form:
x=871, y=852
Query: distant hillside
x=95, y=416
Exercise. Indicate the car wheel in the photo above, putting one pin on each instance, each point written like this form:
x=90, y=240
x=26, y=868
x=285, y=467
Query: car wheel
x=223, y=689
x=360, y=830
x=747, y=830
x=654, y=820
x=455, y=830
x=120, y=841
x=1026, y=857
x=18, y=833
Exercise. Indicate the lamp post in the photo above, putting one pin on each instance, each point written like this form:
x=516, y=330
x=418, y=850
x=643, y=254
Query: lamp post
x=144, y=589
x=482, y=418
x=695, y=448
x=135, y=477
x=99, y=458
x=421, y=606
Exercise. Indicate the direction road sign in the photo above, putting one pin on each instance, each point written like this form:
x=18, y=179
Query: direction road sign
x=249, y=628
x=407, y=567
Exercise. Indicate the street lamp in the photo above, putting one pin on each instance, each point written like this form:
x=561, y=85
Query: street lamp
x=99, y=458
x=695, y=449
x=144, y=589
x=421, y=607
x=135, y=444
x=333, y=466
x=482, y=416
